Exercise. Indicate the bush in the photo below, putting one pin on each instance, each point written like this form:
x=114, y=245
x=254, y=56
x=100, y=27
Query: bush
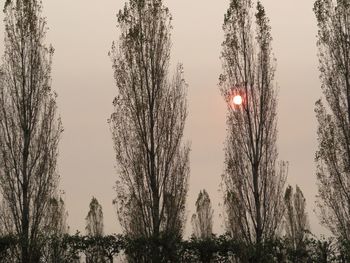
x=69, y=248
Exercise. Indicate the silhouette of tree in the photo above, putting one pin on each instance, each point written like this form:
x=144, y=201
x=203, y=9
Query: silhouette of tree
x=56, y=217
x=253, y=179
x=94, y=219
x=296, y=221
x=94, y=227
x=29, y=127
x=333, y=154
x=148, y=124
x=55, y=228
x=202, y=220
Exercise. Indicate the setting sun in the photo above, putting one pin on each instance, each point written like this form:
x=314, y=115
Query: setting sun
x=237, y=100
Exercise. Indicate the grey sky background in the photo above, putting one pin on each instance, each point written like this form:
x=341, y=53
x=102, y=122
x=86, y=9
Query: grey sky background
x=82, y=32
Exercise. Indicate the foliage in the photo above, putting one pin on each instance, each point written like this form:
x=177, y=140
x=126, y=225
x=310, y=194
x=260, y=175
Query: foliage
x=253, y=181
x=202, y=220
x=296, y=223
x=148, y=125
x=141, y=249
x=210, y=250
x=333, y=116
x=30, y=128
x=94, y=228
x=7, y=247
x=94, y=219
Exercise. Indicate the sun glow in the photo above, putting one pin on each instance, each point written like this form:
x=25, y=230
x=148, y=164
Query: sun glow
x=237, y=100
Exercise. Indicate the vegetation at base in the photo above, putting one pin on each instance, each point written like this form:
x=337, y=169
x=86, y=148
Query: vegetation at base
x=209, y=250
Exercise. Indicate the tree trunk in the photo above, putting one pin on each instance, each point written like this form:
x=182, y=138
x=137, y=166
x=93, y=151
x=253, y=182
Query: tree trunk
x=258, y=213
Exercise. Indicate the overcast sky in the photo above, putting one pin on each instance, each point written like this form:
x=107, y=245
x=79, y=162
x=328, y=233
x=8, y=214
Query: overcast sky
x=82, y=32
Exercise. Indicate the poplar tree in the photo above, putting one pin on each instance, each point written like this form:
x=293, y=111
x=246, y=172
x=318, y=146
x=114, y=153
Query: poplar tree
x=333, y=116
x=148, y=125
x=297, y=227
x=254, y=178
x=29, y=126
x=94, y=228
x=202, y=220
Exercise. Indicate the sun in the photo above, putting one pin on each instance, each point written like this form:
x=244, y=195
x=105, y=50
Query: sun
x=237, y=100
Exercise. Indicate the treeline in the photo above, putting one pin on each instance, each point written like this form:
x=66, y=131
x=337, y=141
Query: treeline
x=265, y=219
x=106, y=249
x=296, y=244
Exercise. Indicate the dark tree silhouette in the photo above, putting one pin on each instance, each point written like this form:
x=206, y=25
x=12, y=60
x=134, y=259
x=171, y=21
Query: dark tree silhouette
x=56, y=217
x=94, y=227
x=148, y=125
x=29, y=127
x=202, y=220
x=333, y=155
x=296, y=219
x=94, y=219
x=253, y=180
x=55, y=228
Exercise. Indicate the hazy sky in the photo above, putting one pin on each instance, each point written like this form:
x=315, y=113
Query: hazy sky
x=82, y=32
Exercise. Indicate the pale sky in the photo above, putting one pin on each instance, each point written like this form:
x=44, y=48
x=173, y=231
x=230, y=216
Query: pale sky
x=82, y=32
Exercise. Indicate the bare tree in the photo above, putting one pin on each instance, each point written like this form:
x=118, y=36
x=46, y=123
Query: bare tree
x=55, y=228
x=94, y=219
x=29, y=127
x=56, y=217
x=333, y=155
x=296, y=220
x=202, y=220
x=94, y=227
x=253, y=180
x=148, y=124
